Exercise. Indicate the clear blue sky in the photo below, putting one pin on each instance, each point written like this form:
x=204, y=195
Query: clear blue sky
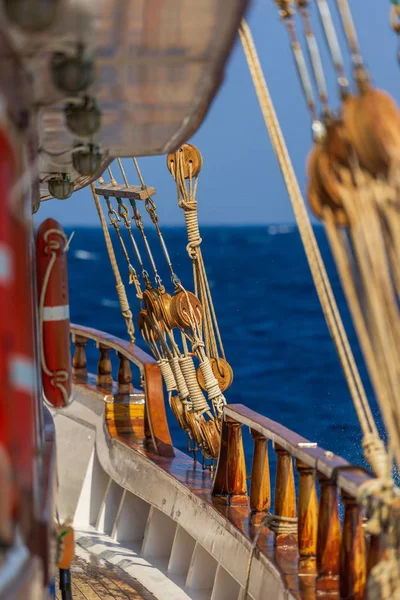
x=240, y=182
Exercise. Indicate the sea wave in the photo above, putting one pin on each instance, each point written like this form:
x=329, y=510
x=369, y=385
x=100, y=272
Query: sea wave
x=85, y=255
x=109, y=303
x=277, y=229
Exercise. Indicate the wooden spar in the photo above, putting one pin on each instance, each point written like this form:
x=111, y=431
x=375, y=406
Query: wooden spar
x=156, y=419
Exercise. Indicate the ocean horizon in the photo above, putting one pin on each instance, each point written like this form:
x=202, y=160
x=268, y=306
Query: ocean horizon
x=275, y=337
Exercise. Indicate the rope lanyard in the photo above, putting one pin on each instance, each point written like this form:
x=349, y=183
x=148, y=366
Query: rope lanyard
x=123, y=300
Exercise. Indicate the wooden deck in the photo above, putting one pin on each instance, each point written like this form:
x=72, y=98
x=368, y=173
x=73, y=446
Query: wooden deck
x=98, y=580
x=199, y=481
x=143, y=428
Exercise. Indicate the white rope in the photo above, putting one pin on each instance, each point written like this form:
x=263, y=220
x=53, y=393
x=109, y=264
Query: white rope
x=197, y=397
x=167, y=374
x=182, y=388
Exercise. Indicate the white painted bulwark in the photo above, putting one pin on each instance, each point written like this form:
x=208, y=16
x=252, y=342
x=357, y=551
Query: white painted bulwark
x=225, y=587
x=202, y=570
x=132, y=519
x=135, y=515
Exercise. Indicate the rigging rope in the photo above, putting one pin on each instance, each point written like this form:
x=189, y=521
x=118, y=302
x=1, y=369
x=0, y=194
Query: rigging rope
x=314, y=257
x=177, y=368
x=123, y=300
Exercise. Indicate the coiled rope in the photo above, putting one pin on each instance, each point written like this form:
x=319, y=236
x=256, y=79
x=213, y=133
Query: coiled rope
x=277, y=524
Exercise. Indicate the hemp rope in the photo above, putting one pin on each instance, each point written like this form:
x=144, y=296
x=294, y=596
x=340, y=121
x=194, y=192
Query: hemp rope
x=187, y=201
x=59, y=377
x=376, y=319
x=174, y=361
x=182, y=388
x=277, y=524
x=123, y=300
x=168, y=375
x=210, y=383
x=197, y=397
x=314, y=257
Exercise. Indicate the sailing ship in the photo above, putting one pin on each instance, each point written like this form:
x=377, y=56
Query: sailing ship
x=89, y=472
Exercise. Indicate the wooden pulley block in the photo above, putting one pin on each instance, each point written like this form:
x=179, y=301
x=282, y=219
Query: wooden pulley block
x=186, y=307
x=317, y=194
x=318, y=201
x=194, y=427
x=372, y=125
x=222, y=371
x=179, y=412
x=211, y=437
x=336, y=144
x=192, y=160
x=165, y=301
x=330, y=179
x=145, y=326
x=151, y=298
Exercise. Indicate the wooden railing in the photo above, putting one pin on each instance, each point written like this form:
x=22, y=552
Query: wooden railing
x=156, y=419
x=337, y=555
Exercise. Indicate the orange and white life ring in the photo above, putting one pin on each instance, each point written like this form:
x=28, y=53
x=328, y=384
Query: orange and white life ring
x=52, y=278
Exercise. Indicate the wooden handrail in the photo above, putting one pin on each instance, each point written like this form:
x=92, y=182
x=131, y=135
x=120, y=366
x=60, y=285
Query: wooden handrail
x=348, y=478
x=130, y=351
x=155, y=415
x=337, y=559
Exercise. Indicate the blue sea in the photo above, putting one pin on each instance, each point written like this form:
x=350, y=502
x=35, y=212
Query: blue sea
x=275, y=337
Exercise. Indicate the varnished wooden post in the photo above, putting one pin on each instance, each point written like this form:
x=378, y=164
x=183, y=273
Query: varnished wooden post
x=375, y=552
x=308, y=517
x=79, y=361
x=260, y=490
x=353, y=568
x=285, y=494
x=124, y=374
x=230, y=477
x=104, y=367
x=328, y=541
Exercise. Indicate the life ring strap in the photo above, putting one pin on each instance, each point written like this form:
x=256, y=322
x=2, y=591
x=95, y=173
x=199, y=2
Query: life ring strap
x=55, y=313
